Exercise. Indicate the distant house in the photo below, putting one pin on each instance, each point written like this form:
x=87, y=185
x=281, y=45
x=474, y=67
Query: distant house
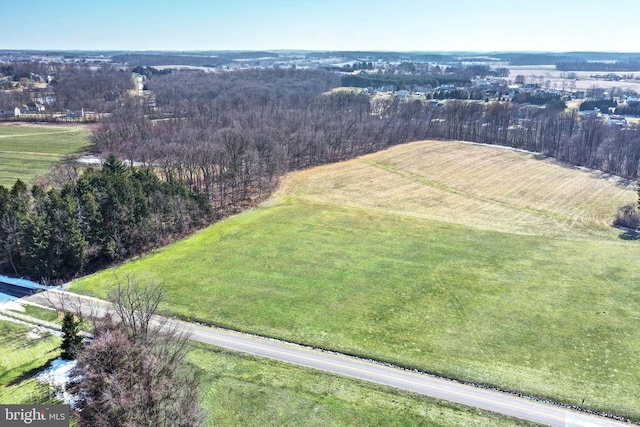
x=589, y=113
x=75, y=113
x=402, y=93
x=13, y=112
x=617, y=121
x=46, y=99
x=35, y=107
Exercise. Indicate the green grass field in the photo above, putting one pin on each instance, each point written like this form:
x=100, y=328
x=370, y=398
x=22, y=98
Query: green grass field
x=29, y=150
x=525, y=286
x=22, y=356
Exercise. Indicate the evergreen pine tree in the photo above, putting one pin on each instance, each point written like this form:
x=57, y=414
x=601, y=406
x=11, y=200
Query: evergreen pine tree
x=71, y=339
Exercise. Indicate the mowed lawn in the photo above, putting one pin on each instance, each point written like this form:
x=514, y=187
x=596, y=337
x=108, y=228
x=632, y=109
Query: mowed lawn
x=531, y=290
x=29, y=150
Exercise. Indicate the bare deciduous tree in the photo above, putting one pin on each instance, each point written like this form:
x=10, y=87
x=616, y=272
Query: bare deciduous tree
x=134, y=372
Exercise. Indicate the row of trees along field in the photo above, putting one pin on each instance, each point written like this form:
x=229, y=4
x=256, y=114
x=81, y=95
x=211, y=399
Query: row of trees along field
x=222, y=140
x=102, y=215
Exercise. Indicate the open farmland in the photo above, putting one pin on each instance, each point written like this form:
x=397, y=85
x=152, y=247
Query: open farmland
x=492, y=188
x=542, y=74
x=469, y=261
x=585, y=80
x=29, y=150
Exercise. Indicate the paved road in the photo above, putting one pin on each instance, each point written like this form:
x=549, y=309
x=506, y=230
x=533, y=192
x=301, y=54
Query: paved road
x=344, y=365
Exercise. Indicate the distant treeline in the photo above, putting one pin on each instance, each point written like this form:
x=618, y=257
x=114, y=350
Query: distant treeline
x=548, y=99
x=150, y=71
x=400, y=81
x=213, y=60
x=631, y=109
x=138, y=59
x=599, y=66
x=533, y=58
x=602, y=105
x=364, y=65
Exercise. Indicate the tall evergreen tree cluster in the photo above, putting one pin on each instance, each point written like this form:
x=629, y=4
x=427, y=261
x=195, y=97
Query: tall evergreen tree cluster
x=108, y=214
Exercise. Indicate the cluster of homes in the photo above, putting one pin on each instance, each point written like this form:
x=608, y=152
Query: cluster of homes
x=492, y=88
x=32, y=107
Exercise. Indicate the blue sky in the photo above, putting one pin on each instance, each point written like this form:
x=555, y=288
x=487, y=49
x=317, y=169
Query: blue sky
x=427, y=25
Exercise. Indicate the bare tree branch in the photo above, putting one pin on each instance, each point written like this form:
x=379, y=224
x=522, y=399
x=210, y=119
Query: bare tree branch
x=134, y=371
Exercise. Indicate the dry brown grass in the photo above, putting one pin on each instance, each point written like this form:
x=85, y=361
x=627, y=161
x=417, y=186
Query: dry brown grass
x=481, y=186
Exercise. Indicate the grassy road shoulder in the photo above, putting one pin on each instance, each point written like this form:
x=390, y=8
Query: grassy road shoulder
x=243, y=390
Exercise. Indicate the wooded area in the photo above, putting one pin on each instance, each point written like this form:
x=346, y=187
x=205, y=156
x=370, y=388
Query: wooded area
x=100, y=216
x=221, y=140
x=228, y=133
x=71, y=86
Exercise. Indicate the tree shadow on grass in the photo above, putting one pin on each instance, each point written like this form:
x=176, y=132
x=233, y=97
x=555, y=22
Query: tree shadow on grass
x=31, y=372
x=630, y=235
